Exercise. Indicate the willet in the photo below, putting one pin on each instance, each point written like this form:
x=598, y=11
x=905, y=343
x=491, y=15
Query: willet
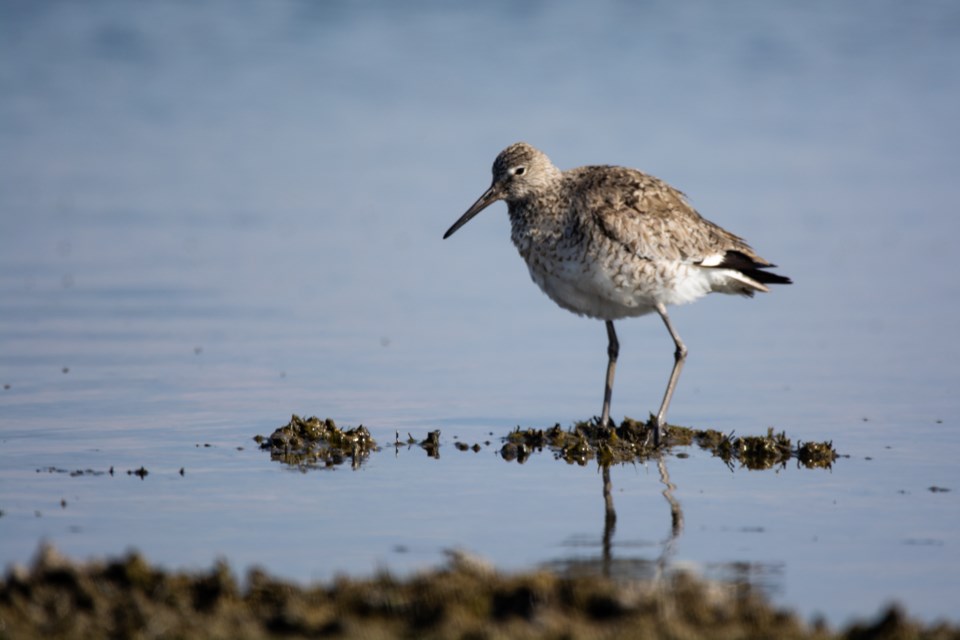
x=610, y=242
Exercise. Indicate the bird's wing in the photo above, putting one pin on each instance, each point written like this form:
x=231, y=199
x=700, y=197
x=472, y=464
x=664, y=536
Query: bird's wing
x=651, y=219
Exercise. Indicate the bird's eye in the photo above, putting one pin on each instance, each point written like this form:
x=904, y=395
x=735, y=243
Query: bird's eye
x=519, y=171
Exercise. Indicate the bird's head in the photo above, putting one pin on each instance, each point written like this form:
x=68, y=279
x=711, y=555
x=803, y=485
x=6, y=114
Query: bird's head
x=519, y=172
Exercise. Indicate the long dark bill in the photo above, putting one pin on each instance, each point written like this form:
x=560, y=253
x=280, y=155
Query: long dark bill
x=489, y=196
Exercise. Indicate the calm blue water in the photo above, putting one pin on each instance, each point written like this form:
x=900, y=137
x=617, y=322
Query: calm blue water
x=214, y=216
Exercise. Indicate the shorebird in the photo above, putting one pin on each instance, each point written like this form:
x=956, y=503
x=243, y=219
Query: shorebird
x=610, y=242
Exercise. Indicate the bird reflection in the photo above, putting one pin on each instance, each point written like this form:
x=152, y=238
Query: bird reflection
x=667, y=545
x=609, y=521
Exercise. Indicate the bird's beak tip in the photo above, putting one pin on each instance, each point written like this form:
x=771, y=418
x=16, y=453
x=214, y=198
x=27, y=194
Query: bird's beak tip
x=490, y=196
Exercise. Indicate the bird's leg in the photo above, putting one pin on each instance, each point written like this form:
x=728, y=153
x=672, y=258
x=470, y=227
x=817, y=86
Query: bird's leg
x=678, y=357
x=613, y=350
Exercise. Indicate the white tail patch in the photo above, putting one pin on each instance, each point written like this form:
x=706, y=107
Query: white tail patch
x=730, y=281
x=713, y=261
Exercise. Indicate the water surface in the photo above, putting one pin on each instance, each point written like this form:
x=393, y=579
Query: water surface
x=213, y=217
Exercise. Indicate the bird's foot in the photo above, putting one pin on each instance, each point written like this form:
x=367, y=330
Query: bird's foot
x=656, y=431
x=606, y=422
x=604, y=429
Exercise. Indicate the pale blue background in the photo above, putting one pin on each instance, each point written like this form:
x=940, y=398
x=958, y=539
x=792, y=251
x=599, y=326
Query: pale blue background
x=215, y=215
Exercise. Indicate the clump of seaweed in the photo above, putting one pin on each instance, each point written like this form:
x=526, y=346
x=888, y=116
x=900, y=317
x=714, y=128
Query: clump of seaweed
x=816, y=455
x=431, y=444
x=308, y=443
x=632, y=441
x=763, y=452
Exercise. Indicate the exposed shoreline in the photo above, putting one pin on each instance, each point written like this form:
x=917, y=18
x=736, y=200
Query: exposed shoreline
x=127, y=597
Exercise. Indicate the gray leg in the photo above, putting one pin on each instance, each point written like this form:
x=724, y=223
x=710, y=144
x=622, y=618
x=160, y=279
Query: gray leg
x=613, y=350
x=678, y=357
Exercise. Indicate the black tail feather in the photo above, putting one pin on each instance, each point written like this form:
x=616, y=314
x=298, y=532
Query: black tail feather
x=749, y=267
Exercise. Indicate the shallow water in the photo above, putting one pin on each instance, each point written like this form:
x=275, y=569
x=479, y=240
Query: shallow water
x=211, y=218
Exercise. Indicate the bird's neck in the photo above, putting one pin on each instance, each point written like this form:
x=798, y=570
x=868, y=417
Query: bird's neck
x=535, y=220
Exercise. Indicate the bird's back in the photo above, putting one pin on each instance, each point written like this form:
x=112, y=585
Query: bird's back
x=610, y=242
x=645, y=215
